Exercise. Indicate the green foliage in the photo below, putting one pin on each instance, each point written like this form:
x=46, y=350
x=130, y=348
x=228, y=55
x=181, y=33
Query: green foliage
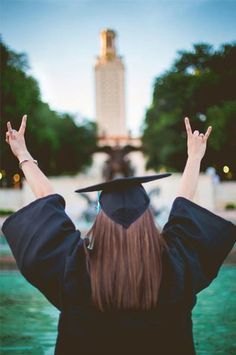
x=6, y=212
x=60, y=146
x=230, y=206
x=200, y=84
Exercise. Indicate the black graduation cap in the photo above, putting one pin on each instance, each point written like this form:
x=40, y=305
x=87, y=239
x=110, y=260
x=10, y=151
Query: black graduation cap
x=124, y=199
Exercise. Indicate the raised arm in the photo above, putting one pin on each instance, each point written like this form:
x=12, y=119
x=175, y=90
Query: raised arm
x=38, y=182
x=196, y=143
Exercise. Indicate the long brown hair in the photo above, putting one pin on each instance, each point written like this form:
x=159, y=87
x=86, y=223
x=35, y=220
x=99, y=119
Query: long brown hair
x=125, y=265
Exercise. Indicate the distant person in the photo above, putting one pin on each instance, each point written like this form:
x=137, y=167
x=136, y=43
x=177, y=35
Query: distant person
x=127, y=288
x=211, y=171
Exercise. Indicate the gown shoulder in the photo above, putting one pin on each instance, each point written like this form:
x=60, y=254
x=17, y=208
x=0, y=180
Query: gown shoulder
x=41, y=236
x=201, y=238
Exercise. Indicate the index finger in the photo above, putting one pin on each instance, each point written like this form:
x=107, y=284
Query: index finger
x=187, y=126
x=23, y=124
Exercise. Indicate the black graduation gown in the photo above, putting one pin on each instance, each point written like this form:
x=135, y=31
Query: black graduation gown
x=50, y=254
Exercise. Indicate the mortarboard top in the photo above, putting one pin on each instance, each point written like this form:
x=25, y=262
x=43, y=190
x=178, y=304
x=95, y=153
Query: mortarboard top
x=124, y=199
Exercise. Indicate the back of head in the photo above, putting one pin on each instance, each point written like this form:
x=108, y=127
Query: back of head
x=125, y=264
x=125, y=261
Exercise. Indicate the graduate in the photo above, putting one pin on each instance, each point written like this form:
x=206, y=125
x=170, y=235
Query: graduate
x=127, y=288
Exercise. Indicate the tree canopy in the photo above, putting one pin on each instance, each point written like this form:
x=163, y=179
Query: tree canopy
x=201, y=85
x=54, y=139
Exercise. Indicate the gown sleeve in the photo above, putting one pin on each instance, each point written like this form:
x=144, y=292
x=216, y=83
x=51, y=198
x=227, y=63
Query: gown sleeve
x=201, y=238
x=40, y=236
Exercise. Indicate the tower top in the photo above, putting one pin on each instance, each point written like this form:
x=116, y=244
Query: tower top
x=108, y=46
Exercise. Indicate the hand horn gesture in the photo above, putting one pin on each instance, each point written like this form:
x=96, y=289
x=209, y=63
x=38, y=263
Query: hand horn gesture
x=196, y=141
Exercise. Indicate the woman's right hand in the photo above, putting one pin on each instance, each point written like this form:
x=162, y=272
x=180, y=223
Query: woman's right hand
x=38, y=182
x=196, y=141
x=16, y=139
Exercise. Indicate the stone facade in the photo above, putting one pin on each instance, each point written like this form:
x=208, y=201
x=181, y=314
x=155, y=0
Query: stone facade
x=208, y=195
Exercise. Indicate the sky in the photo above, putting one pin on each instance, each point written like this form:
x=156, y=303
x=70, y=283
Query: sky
x=61, y=39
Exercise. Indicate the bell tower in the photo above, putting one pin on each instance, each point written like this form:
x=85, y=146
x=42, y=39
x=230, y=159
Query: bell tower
x=110, y=89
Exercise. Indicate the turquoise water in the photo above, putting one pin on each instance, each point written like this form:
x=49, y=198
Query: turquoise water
x=28, y=323
x=214, y=316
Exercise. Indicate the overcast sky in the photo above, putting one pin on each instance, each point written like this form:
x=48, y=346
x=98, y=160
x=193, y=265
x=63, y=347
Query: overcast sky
x=61, y=39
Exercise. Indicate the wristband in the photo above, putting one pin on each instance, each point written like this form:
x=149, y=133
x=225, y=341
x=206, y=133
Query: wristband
x=25, y=160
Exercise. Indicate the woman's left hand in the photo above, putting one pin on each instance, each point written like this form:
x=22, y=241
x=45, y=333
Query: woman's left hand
x=196, y=141
x=16, y=139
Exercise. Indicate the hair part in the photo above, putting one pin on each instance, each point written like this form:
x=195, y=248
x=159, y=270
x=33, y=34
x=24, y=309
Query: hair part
x=125, y=265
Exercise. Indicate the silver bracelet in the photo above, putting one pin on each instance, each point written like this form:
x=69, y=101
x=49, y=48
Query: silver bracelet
x=24, y=160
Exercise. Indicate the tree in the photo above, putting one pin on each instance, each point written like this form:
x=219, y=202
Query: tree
x=222, y=145
x=54, y=139
x=200, y=84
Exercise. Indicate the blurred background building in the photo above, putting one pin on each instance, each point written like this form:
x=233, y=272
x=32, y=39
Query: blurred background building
x=110, y=88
